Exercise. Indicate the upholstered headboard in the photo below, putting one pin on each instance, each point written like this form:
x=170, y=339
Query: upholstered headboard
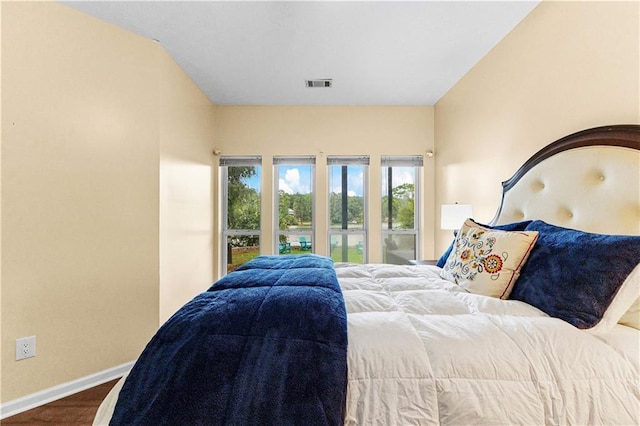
x=589, y=180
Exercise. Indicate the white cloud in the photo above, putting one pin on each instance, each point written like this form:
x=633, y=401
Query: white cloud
x=291, y=183
x=402, y=175
x=284, y=187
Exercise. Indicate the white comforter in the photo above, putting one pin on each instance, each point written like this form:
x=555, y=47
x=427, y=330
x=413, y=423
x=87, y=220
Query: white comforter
x=423, y=351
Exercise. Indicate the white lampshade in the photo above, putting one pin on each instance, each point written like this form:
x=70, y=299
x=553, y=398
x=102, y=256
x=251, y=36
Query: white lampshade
x=452, y=216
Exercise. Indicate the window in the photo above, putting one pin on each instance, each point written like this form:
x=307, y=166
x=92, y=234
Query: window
x=294, y=203
x=241, y=195
x=400, y=208
x=347, y=208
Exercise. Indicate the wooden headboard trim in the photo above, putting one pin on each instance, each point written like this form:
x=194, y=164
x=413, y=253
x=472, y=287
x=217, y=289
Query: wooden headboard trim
x=622, y=135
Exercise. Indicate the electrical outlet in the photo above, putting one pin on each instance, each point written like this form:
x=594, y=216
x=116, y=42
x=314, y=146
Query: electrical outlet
x=25, y=348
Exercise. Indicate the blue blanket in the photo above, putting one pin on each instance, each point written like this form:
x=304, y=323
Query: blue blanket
x=265, y=345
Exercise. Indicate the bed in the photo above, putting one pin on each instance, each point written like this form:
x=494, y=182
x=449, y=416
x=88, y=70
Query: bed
x=532, y=318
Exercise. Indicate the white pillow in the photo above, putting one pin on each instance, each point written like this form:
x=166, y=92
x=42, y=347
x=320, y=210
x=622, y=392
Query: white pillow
x=631, y=318
x=488, y=261
x=615, y=312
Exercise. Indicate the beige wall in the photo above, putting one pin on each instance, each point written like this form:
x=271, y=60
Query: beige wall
x=322, y=131
x=92, y=119
x=186, y=226
x=567, y=67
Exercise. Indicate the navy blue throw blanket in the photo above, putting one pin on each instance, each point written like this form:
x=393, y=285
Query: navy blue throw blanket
x=265, y=345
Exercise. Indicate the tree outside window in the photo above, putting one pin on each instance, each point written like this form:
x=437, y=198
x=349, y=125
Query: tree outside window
x=347, y=208
x=399, y=214
x=241, y=209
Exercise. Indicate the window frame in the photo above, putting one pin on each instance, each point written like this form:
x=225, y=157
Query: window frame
x=350, y=160
x=417, y=163
x=224, y=163
x=293, y=160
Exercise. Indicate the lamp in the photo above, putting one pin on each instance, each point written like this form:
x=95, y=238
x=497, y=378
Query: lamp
x=452, y=216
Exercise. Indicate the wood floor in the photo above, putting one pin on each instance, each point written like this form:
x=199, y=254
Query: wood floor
x=77, y=409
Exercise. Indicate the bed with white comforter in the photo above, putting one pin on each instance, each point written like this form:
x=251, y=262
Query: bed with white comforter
x=424, y=351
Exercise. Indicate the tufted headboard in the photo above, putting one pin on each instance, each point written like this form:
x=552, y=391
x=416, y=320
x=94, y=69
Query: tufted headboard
x=588, y=180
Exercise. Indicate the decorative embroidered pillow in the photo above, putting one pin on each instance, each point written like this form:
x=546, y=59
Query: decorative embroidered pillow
x=515, y=226
x=487, y=261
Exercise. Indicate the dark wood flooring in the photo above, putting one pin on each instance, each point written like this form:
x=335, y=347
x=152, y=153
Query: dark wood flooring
x=77, y=409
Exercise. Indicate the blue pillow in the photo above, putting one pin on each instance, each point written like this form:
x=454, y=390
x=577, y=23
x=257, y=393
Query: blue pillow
x=575, y=275
x=516, y=226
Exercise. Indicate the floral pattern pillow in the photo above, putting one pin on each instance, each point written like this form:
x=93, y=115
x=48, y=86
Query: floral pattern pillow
x=487, y=261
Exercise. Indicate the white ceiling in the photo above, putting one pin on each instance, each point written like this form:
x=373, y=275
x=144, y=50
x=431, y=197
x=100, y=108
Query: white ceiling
x=377, y=53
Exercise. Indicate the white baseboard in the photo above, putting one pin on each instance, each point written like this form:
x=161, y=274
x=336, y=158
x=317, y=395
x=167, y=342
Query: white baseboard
x=11, y=408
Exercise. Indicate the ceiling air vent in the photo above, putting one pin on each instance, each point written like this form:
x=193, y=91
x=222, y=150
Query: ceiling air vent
x=326, y=82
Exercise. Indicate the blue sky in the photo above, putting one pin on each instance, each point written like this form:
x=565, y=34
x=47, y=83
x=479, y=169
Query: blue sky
x=355, y=180
x=297, y=179
x=254, y=181
x=291, y=179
